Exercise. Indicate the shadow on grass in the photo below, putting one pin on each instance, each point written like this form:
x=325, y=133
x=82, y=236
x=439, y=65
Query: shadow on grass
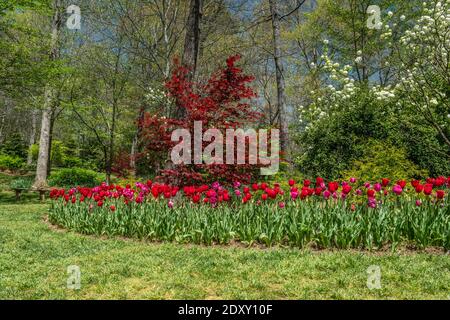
x=8, y=197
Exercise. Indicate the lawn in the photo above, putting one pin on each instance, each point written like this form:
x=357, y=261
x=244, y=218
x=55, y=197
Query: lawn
x=34, y=259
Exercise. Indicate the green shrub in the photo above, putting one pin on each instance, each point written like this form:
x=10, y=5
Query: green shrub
x=15, y=146
x=72, y=162
x=12, y=163
x=34, y=150
x=58, y=153
x=62, y=156
x=21, y=184
x=72, y=177
x=383, y=160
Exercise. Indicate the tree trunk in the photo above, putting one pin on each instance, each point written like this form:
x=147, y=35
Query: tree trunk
x=50, y=143
x=134, y=145
x=32, y=139
x=191, y=45
x=281, y=96
x=50, y=96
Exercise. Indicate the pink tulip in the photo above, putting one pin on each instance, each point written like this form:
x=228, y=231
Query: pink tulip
x=398, y=190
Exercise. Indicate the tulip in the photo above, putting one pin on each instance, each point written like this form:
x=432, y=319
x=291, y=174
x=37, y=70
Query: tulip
x=397, y=189
x=440, y=194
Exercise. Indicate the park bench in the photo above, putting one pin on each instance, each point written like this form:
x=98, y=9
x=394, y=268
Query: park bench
x=25, y=185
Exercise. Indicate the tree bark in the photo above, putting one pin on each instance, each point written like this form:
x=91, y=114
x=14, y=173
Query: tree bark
x=281, y=95
x=32, y=138
x=191, y=45
x=50, y=142
x=134, y=145
x=50, y=96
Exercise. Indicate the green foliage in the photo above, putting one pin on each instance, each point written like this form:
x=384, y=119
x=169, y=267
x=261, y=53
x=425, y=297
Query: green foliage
x=21, y=184
x=330, y=146
x=72, y=177
x=12, y=163
x=58, y=153
x=62, y=156
x=15, y=146
x=382, y=160
x=34, y=150
x=335, y=143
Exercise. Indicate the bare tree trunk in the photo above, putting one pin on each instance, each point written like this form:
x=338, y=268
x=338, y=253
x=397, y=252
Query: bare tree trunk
x=192, y=40
x=281, y=96
x=191, y=45
x=134, y=145
x=50, y=143
x=110, y=156
x=32, y=138
x=44, y=141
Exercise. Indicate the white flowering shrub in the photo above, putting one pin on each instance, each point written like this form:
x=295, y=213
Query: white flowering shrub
x=402, y=99
x=420, y=78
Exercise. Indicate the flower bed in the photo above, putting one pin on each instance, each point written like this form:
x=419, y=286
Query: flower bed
x=335, y=214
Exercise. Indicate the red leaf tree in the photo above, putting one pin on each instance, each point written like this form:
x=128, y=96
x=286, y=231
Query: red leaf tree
x=221, y=103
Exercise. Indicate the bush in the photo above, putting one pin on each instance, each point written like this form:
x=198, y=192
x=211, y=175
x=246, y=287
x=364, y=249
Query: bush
x=334, y=143
x=73, y=177
x=15, y=146
x=62, y=156
x=72, y=162
x=383, y=160
x=12, y=163
x=21, y=184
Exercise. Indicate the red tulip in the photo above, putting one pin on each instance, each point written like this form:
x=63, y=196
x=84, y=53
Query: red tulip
x=440, y=194
x=346, y=189
x=402, y=183
x=419, y=188
x=428, y=189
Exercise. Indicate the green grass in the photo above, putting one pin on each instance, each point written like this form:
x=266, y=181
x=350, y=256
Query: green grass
x=34, y=260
